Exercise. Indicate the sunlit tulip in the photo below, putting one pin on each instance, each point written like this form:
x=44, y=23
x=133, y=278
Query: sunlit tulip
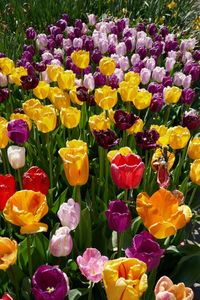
x=8, y=252
x=47, y=119
x=59, y=98
x=6, y=65
x=16, y=156
x=106, y=97
x=194, y=148
x=133, y=77
x=128, y=90
x=73, y=96
x=70, y=117
x=53, y=71
x=163, y=134
x=99, y=122
x=142, y=99
x=32, y=108
x=195, y=171
x=66, y=80
x=19, y=116
x=123, y=151
x=178, y=137
x=136, y=127
x=16, y=74
x=172, y=94
x=42, y=90
x=81, y=58
x=3, y=133
x=107, y=66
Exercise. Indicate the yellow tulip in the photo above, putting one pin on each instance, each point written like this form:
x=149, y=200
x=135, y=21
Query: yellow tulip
x=195, y=171
x=75, y=146
x=178, y=137
x=128, y=90
x=142, y=100
x=194, y=148
x=3, y=133
x=16, y=74
x=47, y=119
x=70, y=117
x=136, y=127
x=25, y=209
x=32, y=108
x=159, y=156
x=53, y=71
x=99, y=122
x=123, y=151
x=73, y=97
x=172, y=94
x=125, y=279
x=59, y=98
x=161, y=213
x=6, y=65
x=81, y=58
x=24, y=117
x=164, y=134
x=8, y=253
x=66, y=80
x=42, y=90
x=133, y=77
x=107, y=66
x=105, y=97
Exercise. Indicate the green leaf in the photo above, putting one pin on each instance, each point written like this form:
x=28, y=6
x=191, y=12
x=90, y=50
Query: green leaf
x=41, y=243
x=77, y=293
x=136, y=225
x=61, y=199
x=83, y=233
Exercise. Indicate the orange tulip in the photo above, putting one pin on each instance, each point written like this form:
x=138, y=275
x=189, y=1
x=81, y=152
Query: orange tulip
x=8, y=252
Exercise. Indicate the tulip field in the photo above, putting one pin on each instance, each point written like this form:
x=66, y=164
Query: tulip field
x=99, y=150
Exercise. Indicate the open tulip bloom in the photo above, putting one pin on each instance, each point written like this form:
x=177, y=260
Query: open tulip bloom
x=100, y=159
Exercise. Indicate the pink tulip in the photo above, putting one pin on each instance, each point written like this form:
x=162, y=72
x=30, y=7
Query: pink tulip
x=150, y=63
x=3, y=80
x=103, y=45
x=119, y=73
x=61, y=243
x=169, y=64
x=135, y=58
x=91, y=19
x=124, y=63
x=121, y=49
x=187, y=81
x=158, y=74
x=69, y=214
x=77, y=43
x=88, y=81
x=41, y=41
x=145, y=75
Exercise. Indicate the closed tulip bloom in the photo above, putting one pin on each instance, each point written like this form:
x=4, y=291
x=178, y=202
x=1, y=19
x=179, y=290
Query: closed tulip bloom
x=15, y=76
x=81, y=58
x=194, y=148
x=195, y=171
x=36, y=179
x=7, y=189
x=118, y=216
x=106, y=138
x=136, y=127
x=127, y=170
x=8, y=253
x=128, y=90
x=70, y=117
x=66, y=80
x=165, y=289
x=49, y=282
x=124, y=120
x=191, y=119
x=47, y=119
x=88, y=81
x=161, y=213
x=3, y=133
x=142, y=99
x=178, y=137
x=107, y=66
x=53, y=71
x=32, y=108
x=61, y=243
x=18, y=131
x=73, y=96
x=21, y=116
x=3, y=80
x=59, y=98
x=134, y=78
x=16, y=156
x=91, y=264
x=145, y=75
x=172, y=94
x=99, y=122
x=106, y=97
x=4, y=94
x=188, y=96
x=25, y=209
x=6, y=65
x=42, y=90
x=158, y=74
x=69, y=214
x=157, y=102
x=125, y=278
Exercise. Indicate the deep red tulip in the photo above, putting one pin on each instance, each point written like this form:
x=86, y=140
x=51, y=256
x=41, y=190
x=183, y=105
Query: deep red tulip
x=127, y=170
x=36, y=179
x=6, y=297
x=7, y=189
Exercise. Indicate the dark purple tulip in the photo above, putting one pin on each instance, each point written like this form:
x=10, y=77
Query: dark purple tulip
x=124, y=120
x=142, y=51
x=19, y=110
x=29, y=82
x=49, y=283
x=68, y=63
x=145, y=248
x=82, y=93
x=71, y=35
x=77, y=32
x=18, y=131
x=88, y=44
x=75, y=69
x=2, y=54
x=135, y=69
x=187, y=96
x=155, y=87
x=156, y=49
x=59, y=39
x=111, y=49
x=114, y=30
x=171, y=45
x=138, y=66
x=106, y=138
x=30, y=33
x=191, y=119
x=121, y=24
x=118, y=216
x=90, y=100
x=51, y=44
x=96, y=56
x=152, y=29
x=4, y=94
x=167, y=81
x=87, y=70
x=29, y=48
x=195, y=72
x=187, y=68
x=99, y=79
x=141, y=27
x=128, y=34
x=40, y=66
x=128, y=43
x=65, y=17
x=157, y=102
x=164, y=31
x=54, y=30
x=62, y=24
x=158, y=37
x=70, y=50
x=196, y=54
x=30, y=69
x=147, y=139
x=78, y=23
x=113, y=81
x=26, y=55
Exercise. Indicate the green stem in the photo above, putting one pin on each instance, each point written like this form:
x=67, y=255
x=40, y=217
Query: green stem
x=101, y=168
x=77, y=194
x=119, y=243
x=125, y=195
x=19, y=179
x=106, y=177
x=90, y=291
x=29, y=255
x=192, y=196
x=146, y=169
x=179, y=167
x=124, y=140
x=50, y=160
x=167, y=115
x=3, y=155
x=12, y=275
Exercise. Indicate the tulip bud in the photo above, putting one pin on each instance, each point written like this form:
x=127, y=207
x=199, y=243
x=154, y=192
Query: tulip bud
x=16, y=157
x=61, y=243
x=145, y=75
x=69, y=214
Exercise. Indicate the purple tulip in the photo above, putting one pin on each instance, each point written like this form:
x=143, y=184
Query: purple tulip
x=40, y=66
x=82, y=93
x=4, y=94
x=118, y=216
x=88, y=44
x=59, y=39
x=30, y=33
x=65, y=17
x=114, y=30
x=147, y=139
x=187, y=96
x=157, y=102
x=124, y=120
x=142, y=51
x=164, y=31
x=29, y=48
x=111, y=49
x=196, y=54
x=121, y=24
x=62, y=24
x=167, y=81
x=191, y=119
x=2, y=54
x=18, y=131
x=99, y=79
x=26, y=55
x=29, y=82
x=145, y=248
x=77, y=32
x=49, y=282
x=96, y=56
x=141, y=27
x=113, y=81
x=54, y=30
x=152, y=29
x=171, y=45
x=158, y=37
x=155, y=87
x=30, y=69
x=78, y=23
x=106, y=138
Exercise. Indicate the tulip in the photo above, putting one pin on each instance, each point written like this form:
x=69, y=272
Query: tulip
x=41, y=41
x=163, y=134
x=127, y=170
x=6, y=65
x=21, y=116
x=15, y=76
x=99, y=122
x=145, y=248
x=16, y=156
x=165, y=289
x=136, y=127
x=88, y=81
x=49, y=282
x=124, y=278
x=81, y=58
x=69, y=214
x=147, y=139
x=161, y=213
x=106, y=97
x=157, y=102
x=123, y=151
x=74, y=97
x=59, y=98
x=172, y=94
x=29, y=82
x=7, y=189
x=106, y=138
x=194, y=148
x=142, y=99
x=158, y=74
x=66, y=80
x=18, y=131
x=162, y=156
x=145, y=75
x=25, y=209
x=188, y=96
x=191, y=119
x=155, y=88
x=8, y=253
x=61, y=243
x=6, y=297
x=178, y=137
x=92, y=19
x=36, y=179
x=30, y=33
x=124, y=120
x=47, y=119
x=128, y=90
x=31, y=108
x=70, y=117
x=195, y=171
x=118, y=216
x=3, y=133
x=124, y=63
x=4, y=94
x=107, y=66
x=42, y=90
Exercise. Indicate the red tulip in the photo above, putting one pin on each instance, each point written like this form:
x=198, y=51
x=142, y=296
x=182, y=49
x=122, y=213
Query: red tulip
x=7, y=189
x=36, y=179
x=127, y=170
x=6, y=297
